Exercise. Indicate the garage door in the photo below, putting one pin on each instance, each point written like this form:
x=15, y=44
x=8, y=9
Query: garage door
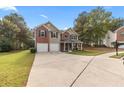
x=54, y=47
x=121, y=46
x=42, y=47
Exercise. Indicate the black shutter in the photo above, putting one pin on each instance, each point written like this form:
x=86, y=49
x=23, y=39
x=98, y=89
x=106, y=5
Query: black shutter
x=45, y=33
x=56, y=34
x=39, y=33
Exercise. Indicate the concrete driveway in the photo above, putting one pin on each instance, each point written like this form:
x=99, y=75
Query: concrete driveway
x=64, y=70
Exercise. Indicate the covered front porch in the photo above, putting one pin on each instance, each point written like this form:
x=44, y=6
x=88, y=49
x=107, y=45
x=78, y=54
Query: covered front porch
x=69, y=46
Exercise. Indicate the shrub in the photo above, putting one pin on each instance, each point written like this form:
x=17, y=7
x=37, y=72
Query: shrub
x=32, y=50
x=99, y=45
x=5, y=47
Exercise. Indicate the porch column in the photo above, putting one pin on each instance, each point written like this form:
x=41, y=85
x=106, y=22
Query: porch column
x=64, y=46
x=68, y=46
x=71, y=46
x=77, y=46
x=81, y=46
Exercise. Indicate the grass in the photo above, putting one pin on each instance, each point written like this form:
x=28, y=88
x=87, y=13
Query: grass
x=87, y=52
x=94, y=51
x=120, y=55
x=15, y=68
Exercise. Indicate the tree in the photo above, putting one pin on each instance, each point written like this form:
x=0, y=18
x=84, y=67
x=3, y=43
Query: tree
x=100, y=20
x=81, y=26
x=116, y=23
x=93, y=26
x=14, y=32
x=8, y=32
x=23, y=35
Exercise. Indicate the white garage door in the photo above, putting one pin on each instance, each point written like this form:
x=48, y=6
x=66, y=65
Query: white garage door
x=121, y=46
x=54, y=47
x=42, y=47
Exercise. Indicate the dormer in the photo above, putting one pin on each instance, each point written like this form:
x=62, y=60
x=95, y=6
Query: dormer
x=69, y=34
x=73, y=35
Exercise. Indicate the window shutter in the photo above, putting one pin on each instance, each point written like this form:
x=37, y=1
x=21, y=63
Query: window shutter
x=56, y=34
x=45, y=33
x=39, y=33
x=51, y=34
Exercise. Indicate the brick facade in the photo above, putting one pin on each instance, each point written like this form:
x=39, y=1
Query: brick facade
x=42, y=39
x=120, y=35
x=47, y=35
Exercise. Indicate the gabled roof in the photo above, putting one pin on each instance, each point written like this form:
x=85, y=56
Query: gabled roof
x=71, y=31
x=119, y=29
x=48, y=26
x=51, y=27
x=62, y=31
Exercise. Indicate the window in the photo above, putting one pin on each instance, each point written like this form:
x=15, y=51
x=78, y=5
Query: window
x=66, y=36
x=73, y=37
x=54, y=34
x=42, y=33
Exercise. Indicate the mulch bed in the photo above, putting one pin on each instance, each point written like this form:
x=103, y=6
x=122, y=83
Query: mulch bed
x=103, y=49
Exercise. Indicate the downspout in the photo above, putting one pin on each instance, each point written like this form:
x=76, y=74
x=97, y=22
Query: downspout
x=48, y=41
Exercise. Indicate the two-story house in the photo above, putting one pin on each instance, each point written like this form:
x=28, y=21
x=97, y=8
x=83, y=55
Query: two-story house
x=70, y=41
x=49, y=38
x=113, y=36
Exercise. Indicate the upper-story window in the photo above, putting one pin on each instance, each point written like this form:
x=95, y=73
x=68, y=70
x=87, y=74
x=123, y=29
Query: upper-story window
x=42, y=33
x=54, y=34
x=66, y=36
x=73, y=37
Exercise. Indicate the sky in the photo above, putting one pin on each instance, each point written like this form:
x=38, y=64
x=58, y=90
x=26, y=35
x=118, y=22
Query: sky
x=61, y=16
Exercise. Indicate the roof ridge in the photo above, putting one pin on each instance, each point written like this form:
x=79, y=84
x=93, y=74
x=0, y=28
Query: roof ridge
x=52, y=25
x=72, y=30
x=119, y=28
x=45, y=25
x=39, y=25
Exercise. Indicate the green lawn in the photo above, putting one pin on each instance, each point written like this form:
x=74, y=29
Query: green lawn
x=120, y=55
x=87, y=52
x=15, y=68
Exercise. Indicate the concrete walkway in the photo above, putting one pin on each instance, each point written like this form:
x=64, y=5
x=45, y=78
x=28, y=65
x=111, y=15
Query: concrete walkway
x=61, y=70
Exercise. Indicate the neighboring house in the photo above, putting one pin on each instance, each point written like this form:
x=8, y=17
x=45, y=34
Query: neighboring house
x=49, y=38
x=109, y=39
x=70, y=41
x=113, y=36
